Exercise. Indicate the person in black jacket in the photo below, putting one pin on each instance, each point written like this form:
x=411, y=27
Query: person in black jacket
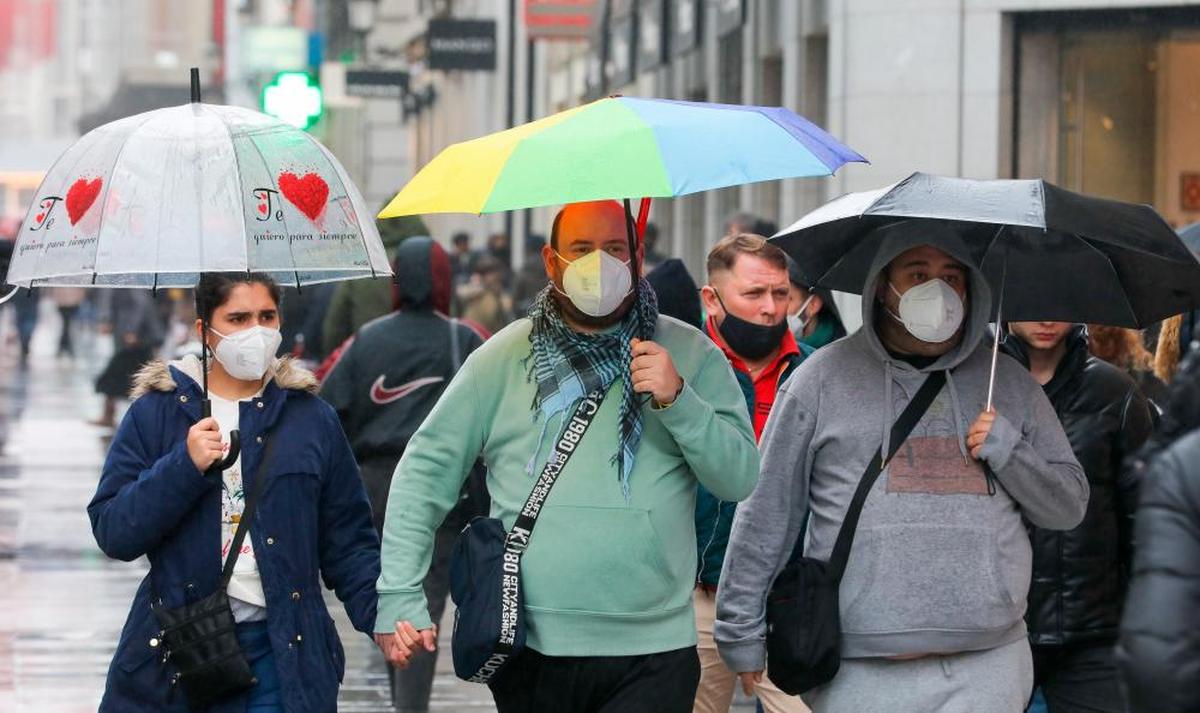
x=1080, y=576
x=1159, y=648
x=383, y=384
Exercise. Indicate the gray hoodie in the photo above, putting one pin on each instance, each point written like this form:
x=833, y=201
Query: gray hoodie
x=938, y=565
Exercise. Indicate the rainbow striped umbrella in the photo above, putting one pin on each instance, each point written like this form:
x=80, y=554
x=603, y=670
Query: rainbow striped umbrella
x=621, y=147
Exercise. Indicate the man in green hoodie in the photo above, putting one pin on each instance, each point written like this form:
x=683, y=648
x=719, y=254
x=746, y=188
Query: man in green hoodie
x=607, y=577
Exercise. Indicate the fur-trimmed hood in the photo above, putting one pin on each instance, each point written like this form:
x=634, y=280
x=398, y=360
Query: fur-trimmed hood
x=156, y=375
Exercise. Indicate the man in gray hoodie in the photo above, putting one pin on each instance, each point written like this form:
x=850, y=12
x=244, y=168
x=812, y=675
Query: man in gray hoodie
x=934, y=592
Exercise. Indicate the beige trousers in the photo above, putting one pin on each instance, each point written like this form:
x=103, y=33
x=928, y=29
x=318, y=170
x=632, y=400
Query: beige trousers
x=717, y=682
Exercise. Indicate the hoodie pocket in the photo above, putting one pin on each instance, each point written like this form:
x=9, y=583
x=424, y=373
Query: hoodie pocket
x=599, y=560
x=925, y=577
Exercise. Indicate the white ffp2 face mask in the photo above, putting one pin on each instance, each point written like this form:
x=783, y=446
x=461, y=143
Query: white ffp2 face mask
x=247, y=354
x=931, y=311
x=596, y=283
x=798, y=321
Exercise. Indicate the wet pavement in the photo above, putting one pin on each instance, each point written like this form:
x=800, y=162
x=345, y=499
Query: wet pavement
x=62, y=602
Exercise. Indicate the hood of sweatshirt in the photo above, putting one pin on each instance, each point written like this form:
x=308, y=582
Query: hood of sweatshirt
x=900, y=237
x=893, y=241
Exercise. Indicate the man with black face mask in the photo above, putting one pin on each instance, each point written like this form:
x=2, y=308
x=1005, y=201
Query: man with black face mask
x=746, y=300
x=607, y=576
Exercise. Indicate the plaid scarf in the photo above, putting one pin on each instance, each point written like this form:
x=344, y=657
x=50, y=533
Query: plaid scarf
x=567, y=365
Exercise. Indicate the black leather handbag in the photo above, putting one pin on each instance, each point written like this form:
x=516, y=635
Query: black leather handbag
x=804, y=629
x=201, y=637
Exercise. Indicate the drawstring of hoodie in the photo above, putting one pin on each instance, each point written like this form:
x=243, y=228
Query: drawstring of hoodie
x=889, y=410
x=960, y=433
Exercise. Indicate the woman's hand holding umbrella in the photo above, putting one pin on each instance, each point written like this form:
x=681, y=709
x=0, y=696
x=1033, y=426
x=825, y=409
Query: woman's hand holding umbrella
x=204, y=444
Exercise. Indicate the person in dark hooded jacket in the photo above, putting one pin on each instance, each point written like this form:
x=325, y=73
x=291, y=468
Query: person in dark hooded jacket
x=1159, y=648
x=676, y=291
x=812, y=315
x=382, y=385
x=1080, y=576
x=1158, y=652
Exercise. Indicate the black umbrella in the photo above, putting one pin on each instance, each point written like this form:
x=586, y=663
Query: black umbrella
x=1191, y=237
x=1048, y=253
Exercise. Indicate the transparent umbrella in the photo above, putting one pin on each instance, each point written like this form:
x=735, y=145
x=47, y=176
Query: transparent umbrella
x=157, y=199
x=153, y=200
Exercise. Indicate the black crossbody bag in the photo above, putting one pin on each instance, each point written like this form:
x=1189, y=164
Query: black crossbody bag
x=804, y=630
x=201, y=637
x=485, y=572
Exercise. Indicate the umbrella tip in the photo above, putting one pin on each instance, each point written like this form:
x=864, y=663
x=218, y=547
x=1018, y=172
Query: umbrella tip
x=195, y=85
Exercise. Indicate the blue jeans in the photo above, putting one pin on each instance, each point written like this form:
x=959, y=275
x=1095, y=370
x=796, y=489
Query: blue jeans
x=256, y=643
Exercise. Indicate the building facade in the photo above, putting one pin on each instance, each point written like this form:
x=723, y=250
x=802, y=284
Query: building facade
x=1099, y=96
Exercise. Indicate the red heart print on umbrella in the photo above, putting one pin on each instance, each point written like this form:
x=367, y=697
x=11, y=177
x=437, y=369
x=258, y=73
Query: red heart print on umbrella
x=309, y=192
x=80, y=196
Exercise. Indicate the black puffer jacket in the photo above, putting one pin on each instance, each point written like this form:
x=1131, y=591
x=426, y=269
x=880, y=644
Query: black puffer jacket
x=1080, y=576
x=1159, y=650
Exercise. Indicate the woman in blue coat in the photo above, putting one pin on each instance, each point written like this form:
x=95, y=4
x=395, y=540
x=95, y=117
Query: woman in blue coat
x=312, y=523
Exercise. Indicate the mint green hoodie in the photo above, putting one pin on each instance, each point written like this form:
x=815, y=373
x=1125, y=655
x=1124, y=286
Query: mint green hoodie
x=603, y=576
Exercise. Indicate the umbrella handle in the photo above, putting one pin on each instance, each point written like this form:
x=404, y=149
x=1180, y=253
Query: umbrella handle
x=235, y=443
x=235, y=449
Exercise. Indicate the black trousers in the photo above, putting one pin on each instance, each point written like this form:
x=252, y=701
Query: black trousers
x=654, y=683
x=1078, y=678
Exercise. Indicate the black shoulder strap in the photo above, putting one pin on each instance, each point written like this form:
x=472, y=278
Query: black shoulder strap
x=568, y=441
x=518, y=537
x=900, y=430
x=455, y=349
x=260, y=481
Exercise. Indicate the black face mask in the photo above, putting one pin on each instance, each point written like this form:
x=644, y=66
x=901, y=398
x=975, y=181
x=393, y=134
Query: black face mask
x=747, y=339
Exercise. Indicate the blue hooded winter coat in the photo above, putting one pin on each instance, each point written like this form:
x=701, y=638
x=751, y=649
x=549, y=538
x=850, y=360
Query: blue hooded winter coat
x=313, y=523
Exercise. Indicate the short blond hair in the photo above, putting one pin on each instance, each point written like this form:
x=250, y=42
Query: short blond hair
x=725, y=253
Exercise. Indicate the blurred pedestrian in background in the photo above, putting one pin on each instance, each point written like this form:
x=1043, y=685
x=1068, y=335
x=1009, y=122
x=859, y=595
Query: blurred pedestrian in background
x=654, y=257
x=676, y=292
x=1159, y=648
x=132, y=318
x=1080, y=576
x=67, y=300
x=26, y=304
x=531, y=278
x=461, y=257
x=1125, y=349
x=383, y=384
x=356, y=302
x=483, y=299
x=499, y=246
x=812, y=315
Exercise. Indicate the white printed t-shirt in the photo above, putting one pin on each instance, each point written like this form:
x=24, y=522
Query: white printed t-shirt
x=245, y=589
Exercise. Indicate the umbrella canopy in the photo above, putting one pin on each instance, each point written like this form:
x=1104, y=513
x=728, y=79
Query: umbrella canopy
x=155, y=199
x=1049, y=253
x=621, y=147
x=1191, y=237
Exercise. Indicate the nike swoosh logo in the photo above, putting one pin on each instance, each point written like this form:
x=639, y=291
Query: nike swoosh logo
x=383, y=395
